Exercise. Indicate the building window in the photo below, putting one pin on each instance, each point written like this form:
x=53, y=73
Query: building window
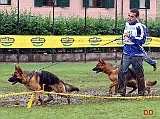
x=140, y=4
x=5, y=2
x=49, y=2
x=57, y=3
x=98, y=3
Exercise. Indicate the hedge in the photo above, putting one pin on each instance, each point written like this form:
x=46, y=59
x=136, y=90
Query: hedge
x=37, y=25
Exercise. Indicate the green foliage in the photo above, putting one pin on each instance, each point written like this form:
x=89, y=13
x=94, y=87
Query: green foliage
x=30, y=25
x=69, y=26
x=154, y=27
x=99, y=26
x=8, y=22
x=37, y=25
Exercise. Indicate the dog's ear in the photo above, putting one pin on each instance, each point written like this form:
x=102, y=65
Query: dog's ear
x=15, y=67
x=19, y=70
x=101, y=60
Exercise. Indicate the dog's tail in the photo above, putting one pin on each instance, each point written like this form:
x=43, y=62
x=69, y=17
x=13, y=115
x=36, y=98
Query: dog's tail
x=149, y=83
x=70, y=88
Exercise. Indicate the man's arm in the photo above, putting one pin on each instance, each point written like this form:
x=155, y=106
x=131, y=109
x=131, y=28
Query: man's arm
x=141, y=36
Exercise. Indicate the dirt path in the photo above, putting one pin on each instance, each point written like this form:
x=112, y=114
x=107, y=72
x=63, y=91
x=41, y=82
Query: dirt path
x=22, y=100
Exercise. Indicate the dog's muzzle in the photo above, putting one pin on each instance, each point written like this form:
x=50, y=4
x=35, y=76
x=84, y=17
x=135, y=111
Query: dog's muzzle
x=97, y=69
x=13, y=80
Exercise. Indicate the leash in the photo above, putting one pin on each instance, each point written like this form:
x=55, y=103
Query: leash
x=54, y=64
x=83, y=52
x=110, y=42
x=120, y=38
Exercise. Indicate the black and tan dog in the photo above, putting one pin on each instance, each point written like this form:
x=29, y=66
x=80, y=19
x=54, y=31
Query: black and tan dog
x=112, y=72
x=33, y=80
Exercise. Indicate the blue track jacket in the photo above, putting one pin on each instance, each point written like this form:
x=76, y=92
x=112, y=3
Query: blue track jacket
x=137, y=37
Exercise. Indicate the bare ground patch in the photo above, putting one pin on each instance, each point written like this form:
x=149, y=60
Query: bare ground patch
x=22, y=100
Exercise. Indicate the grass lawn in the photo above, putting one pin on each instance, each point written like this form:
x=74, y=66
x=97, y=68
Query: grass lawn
x=81, y=75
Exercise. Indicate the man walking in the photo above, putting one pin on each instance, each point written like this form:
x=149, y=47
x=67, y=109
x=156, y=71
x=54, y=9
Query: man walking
x=132, y=53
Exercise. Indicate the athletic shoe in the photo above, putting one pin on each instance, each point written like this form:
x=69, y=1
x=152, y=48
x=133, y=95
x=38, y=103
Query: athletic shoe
x=155, y=67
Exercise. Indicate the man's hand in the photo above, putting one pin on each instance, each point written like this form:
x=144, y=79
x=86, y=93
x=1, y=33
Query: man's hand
x=126, y=34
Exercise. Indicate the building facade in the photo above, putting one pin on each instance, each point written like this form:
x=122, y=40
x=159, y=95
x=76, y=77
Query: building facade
x=92, y=8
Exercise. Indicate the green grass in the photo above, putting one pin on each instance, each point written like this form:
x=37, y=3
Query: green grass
x=100, y=110
x=82, y=76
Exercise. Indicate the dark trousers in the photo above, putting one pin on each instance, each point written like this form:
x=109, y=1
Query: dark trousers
x=126, y=61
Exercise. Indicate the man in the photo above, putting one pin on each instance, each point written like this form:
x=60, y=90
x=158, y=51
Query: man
x=132, y=53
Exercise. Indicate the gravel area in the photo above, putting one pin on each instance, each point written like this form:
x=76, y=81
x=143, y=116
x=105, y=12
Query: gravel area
x=22, y=100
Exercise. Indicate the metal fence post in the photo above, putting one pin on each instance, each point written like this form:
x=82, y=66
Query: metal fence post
x=85, y=30
x=18, y=30
x=53, y=2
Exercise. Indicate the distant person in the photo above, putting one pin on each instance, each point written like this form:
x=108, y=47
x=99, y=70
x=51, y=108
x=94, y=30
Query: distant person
x=146, y=58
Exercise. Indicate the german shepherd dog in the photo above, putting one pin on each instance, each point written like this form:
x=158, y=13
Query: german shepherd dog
x=112, y=72
x=34, y=80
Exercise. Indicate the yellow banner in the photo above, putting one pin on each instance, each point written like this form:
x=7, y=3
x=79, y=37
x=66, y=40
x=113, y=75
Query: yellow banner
x=24, y=41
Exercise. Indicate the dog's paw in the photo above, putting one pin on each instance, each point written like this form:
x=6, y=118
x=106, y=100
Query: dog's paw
x=33, y=104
